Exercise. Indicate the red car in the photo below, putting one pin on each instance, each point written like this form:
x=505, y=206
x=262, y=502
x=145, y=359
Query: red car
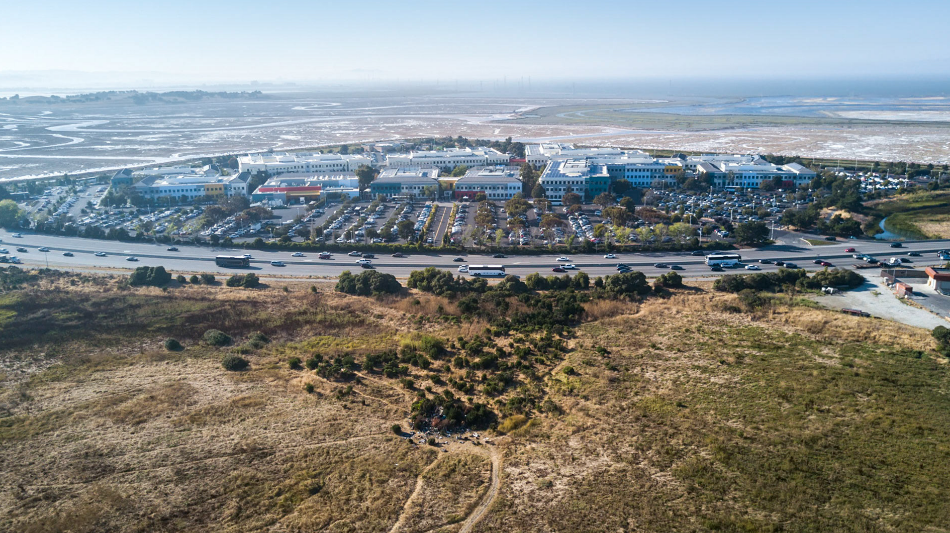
x=849, y=250
x=558, y=269
x=825, y=264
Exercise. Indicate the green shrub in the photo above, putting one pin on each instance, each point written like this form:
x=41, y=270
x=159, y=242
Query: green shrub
x=294, y=363
x=248, y=281
x=368, y=283
x=214, y=337
x=207, y=278
x=194, y=279
x=308, y=387
x=234, y=363
x=173, y=345
x=512, y=423
x=397, y=429
x=149, y=276
x=568, y=370
x=180, y=278
x=314, y=362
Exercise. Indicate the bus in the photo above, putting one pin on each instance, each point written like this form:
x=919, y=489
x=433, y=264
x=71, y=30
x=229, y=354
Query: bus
x=486, y=270
x=232, y=261
x=723, y=259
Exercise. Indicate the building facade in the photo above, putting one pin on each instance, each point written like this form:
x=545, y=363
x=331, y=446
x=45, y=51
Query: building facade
x=498, y=183
x=282, y=163
x=574, y=175
x=400, y=182
x=450, y=158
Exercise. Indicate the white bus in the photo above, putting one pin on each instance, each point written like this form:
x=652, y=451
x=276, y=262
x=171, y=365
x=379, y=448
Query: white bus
x=723, y=259
x=486, y=270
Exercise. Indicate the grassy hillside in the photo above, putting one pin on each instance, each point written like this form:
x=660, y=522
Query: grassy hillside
x=674, y=412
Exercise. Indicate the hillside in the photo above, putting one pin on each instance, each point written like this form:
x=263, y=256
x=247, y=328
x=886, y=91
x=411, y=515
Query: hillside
x=686, y=410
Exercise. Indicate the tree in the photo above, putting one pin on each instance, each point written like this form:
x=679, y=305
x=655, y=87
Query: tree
x=604, y=199
x=618, y=216
x=550, y=220
x=751, y=232
x=344, y=149
x=571, y=198
x=459, y=171
x=366, y=174
x=480, y=197
x=529, y=180
x=537, y=191
x=10, y=214
x=406, y=229
x=621, y=186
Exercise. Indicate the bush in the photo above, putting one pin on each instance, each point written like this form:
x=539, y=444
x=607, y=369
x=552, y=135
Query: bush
x=149, y=276
x=173, y=345
x=313, y=362
x=294, y=363
x=308, y=387
x=670, y=280
x=248, y=281
x=512, y=423
x=397, y=429
x=234, y=363
x=194, y=279
x=180, y=279
x=214, y=337
x=368, y=283
x=207, y=278
x=568, y=370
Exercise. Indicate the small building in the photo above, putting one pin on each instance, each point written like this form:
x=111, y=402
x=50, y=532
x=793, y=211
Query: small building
x=903, y=290
x=938, y=278
x=405, y=182
x=498, y=183
x=122, y=178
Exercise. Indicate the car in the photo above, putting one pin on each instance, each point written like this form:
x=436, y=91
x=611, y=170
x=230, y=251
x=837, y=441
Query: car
x=100, y=254
x=4, y=251
x=463, y=268
x=791, y=265
x=363, y=261
x=398, y=254
x=366, y=265
x=913, y=254
x=676, y=267
x=825, y=264
x=296, y=254
x=131, y=258
x=558, y=269
x=896, y=245
x=766, y=261
x=831, y=238
x=324, y=255
x=369, y=256
x=498, y=256
x=67, y=254
x=697, y=253
x=248, y=256
x=779, y=262
x=818, y=261
x=562, y=258
x=458, y=260
x=43, y=249
x=752, y=267
x=277, y=263
x=623, y=266
x=355, y=254
x=17, y=235
x=850, y=250
x=716, y=268
x=171, y=249
x=610, y=256
x=661, y=265
x=570, y=266
x=21, y=249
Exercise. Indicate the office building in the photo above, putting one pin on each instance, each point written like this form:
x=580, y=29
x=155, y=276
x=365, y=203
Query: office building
x=498, y=183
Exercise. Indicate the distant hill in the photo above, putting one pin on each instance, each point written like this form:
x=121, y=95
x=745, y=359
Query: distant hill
x=136, y=97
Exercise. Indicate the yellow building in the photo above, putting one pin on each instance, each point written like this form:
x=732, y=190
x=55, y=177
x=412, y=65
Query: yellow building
x=214, y=189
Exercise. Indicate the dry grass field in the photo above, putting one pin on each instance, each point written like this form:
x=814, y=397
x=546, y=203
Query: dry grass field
x=677, y=413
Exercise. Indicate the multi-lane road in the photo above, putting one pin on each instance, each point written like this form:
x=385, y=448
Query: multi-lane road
x=201, y=259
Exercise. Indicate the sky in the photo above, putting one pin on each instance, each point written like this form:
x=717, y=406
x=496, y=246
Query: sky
x=405, y=40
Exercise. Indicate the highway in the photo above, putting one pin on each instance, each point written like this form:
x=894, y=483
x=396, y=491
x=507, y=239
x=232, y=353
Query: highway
x=190, y=259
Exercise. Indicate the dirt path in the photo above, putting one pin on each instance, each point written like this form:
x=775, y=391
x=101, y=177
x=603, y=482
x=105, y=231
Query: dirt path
x=415, y=492
x=490, y=496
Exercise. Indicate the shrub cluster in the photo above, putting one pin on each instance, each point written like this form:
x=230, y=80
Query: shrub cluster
x=234, y=363
x=248, y=281
x=772, y=281
x=149, y=276
x=173, y=345
x=368, y=283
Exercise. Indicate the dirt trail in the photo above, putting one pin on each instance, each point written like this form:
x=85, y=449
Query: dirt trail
x=415, y=492
x=490, y=496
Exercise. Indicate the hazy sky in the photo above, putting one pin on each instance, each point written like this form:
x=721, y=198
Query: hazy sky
x=283, y=40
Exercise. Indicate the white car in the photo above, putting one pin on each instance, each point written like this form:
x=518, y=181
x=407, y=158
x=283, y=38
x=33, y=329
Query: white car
x=562, y=258
x=17, y=235
x=43, y=249
x=610, y=256
x=463, y=268
x=569, y=266
x=131, y=258
x=248, y=256
x=4, y=251
x=752, y=267
x=363, y=262
x=100, y=254
x=297, y=254
x=277, y=263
